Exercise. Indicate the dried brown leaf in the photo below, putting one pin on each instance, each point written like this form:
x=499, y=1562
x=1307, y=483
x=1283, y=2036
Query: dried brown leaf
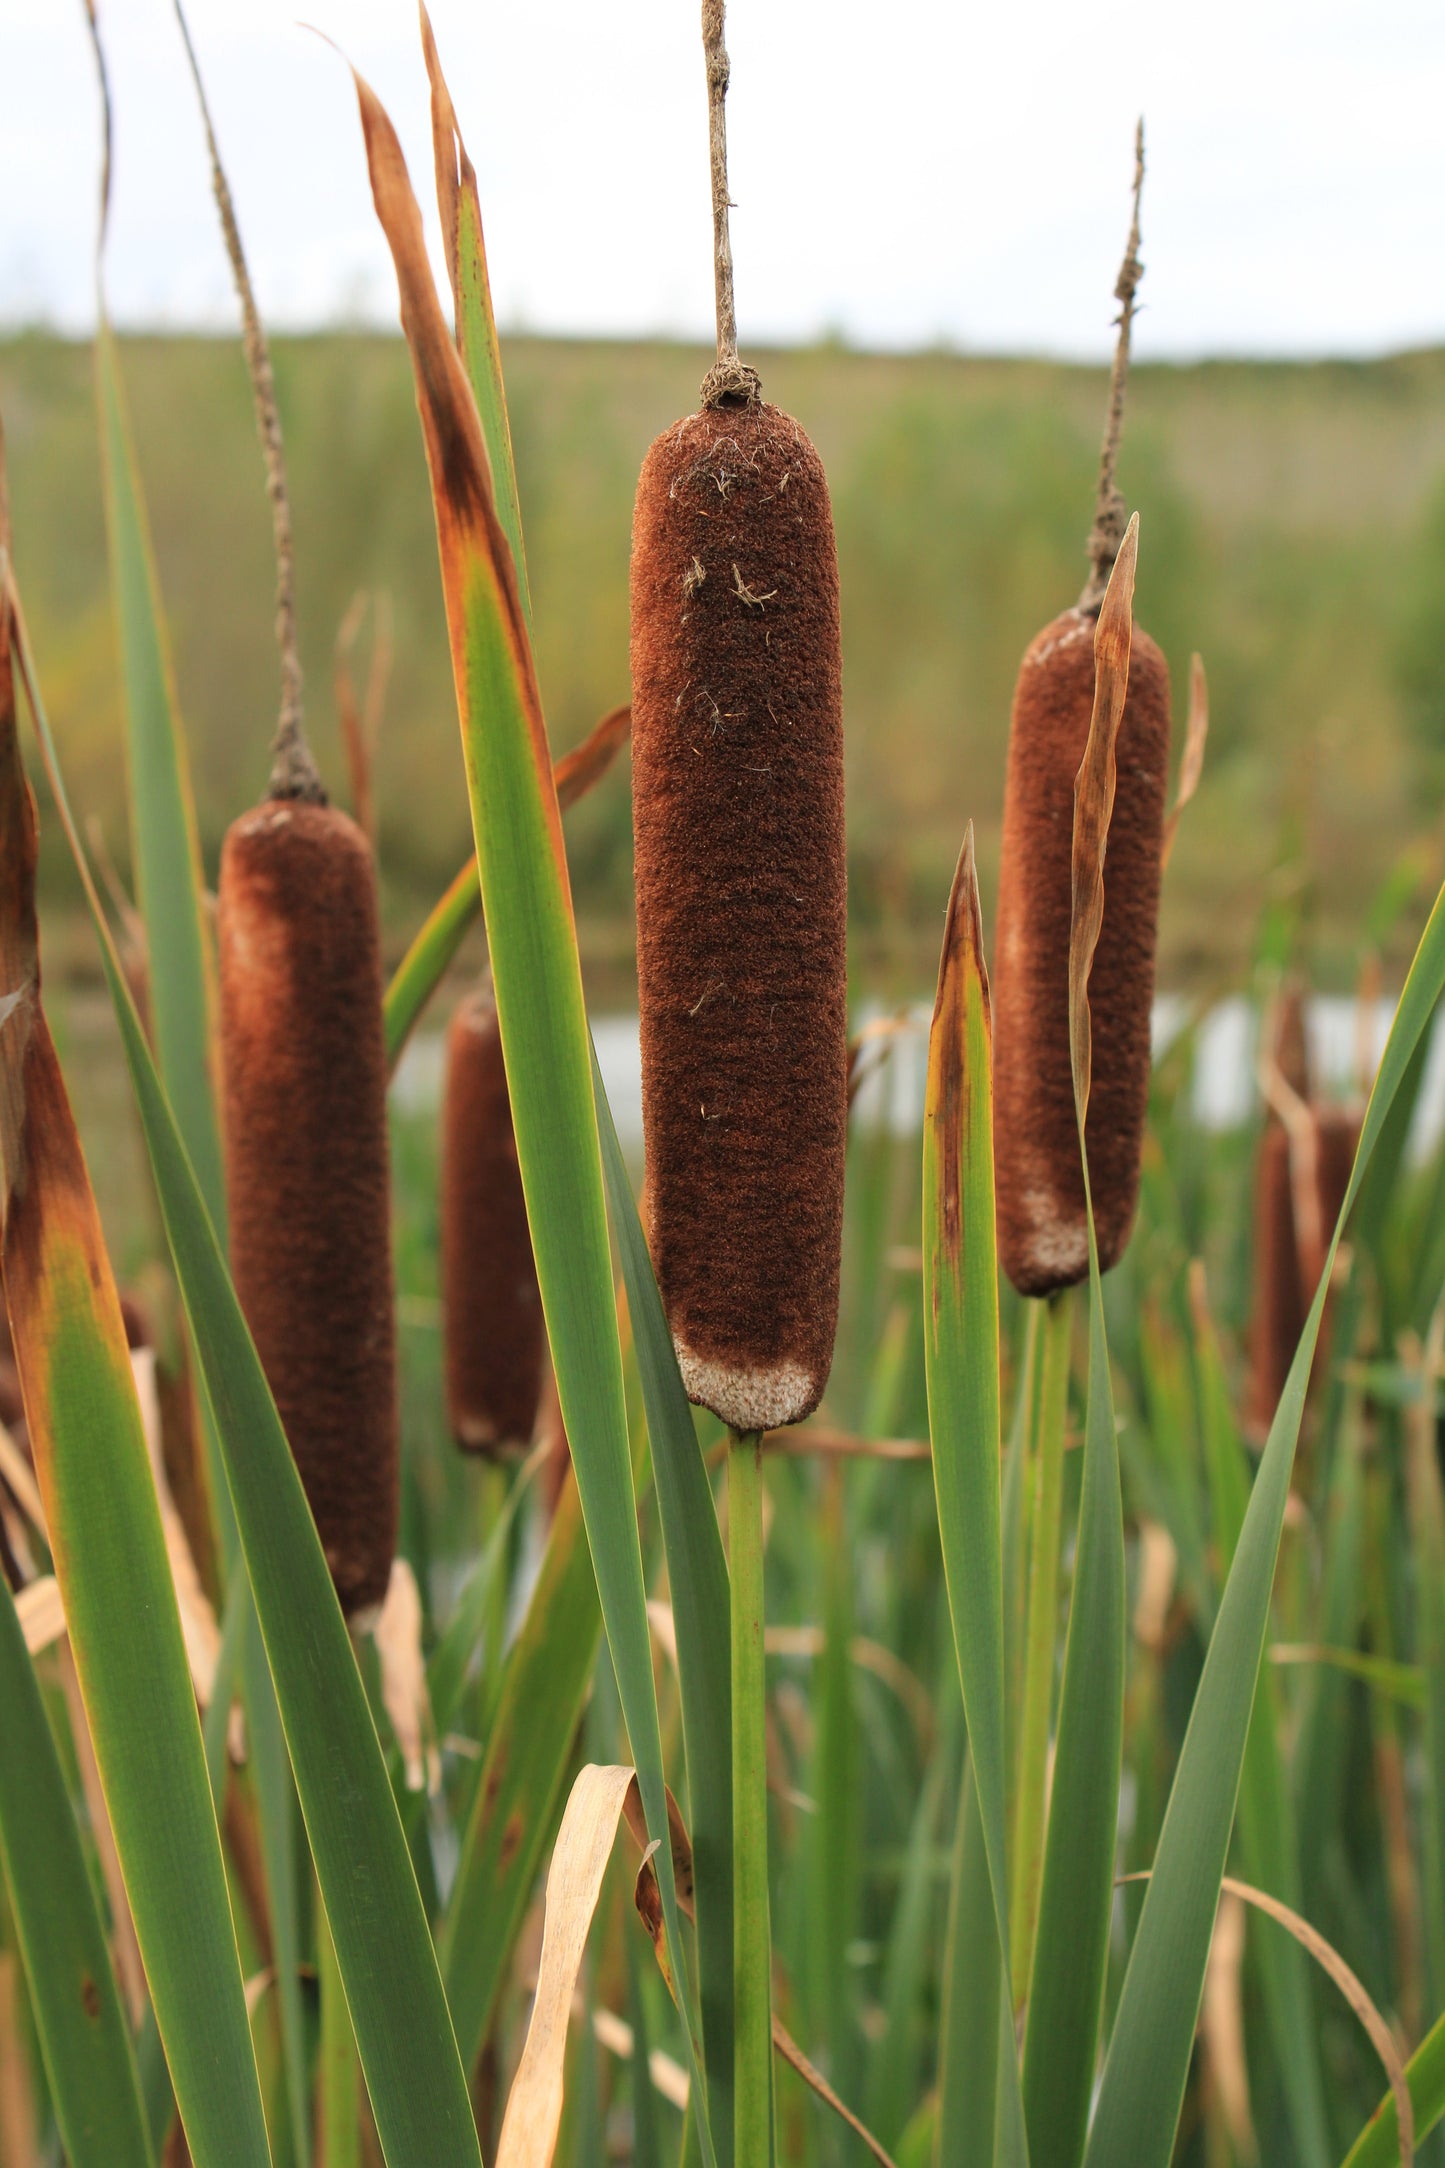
x=1191, y=765
x=1094, y=801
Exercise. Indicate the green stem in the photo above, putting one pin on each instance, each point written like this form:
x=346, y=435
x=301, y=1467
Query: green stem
x=752, y=1952
x=1039, y=1661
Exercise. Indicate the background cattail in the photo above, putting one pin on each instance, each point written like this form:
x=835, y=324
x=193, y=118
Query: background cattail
x=304, y=1077
x=1306, y=1151
x=306, y=1164
x=491, y=1307
x=1042, y=1222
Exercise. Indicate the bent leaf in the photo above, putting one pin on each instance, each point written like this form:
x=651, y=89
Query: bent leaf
x=88, y=2058
x=1148, y=2059
x=960, y=1296
x=527, y=898
x=104, y=1526
x=383, y=1944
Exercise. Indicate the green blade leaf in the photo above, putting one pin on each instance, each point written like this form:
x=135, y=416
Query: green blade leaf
x=960, y=1297
x=539, y=1706
x=383, y=1945
x=526, y=895
x=104, y=1521
x=1067, y=1982
x=1148, y=2059
x=698, y=1579
x=88, y=2060
x=1378, y=2145
x=163, y=819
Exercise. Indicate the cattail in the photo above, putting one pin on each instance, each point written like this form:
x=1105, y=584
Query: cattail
x=304, y=1059
x=304, y=1088
x=1042, y=1223
x=737, y=775
x=491, y=1308
x=1277, y=1313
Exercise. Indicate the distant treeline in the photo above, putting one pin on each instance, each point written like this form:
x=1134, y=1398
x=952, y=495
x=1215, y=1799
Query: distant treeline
x=1293, y=530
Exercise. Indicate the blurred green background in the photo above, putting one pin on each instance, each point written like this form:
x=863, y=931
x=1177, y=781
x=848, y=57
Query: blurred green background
x=1293, y=530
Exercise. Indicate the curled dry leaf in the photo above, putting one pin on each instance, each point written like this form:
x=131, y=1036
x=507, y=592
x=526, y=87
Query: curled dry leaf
x=574, y=1884
x=1350, y=1986
x=1094, y=800
x=403, y=1680
x=1191, y=765
x=1221, y=2021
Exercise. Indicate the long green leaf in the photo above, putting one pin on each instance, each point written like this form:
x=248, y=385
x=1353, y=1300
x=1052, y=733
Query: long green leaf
x=544, y=1688
x=383, y=1945
x=104, y=1523
x=960, y=1295
x=698, y=1579
x=1378, y=2145
x=88, y=2060
x=974, y=1996
x=1148, y=2060
x=526, y=896
x=1067, y=1982
x=167, y=853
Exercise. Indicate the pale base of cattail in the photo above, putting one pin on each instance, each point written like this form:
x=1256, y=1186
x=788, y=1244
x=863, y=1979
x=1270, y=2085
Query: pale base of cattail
x=759, y=1399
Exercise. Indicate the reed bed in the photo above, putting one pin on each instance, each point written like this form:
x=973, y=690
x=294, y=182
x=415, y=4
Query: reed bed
x=1034, y=1754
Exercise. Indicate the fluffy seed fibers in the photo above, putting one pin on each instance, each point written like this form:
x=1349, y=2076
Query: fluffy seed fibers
x=306, y=1165
x=1042, y=1226
x=491, y=1307
x=737, y=766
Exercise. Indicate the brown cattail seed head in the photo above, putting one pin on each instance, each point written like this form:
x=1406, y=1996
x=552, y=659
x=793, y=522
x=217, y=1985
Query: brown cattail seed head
x=1042, y=1224
x=737, y=767
x=304, y=1061
x=491, y=1308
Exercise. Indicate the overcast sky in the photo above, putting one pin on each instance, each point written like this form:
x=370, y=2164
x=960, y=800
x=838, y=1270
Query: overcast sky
x=906, y=172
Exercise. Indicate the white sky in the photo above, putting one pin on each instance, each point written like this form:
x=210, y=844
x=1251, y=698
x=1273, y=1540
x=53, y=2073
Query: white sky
x=905, y=171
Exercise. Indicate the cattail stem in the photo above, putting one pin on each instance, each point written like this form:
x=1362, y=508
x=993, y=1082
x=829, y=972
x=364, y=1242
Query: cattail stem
x=727, y=382
x=1110, y=511
x=752, y=1943
x=293, y=771
x=1046, y=1518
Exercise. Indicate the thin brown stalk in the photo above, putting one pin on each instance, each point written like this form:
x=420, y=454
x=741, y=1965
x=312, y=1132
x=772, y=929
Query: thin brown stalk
x=728, y=382
x=293, y=771
x=1110, y=511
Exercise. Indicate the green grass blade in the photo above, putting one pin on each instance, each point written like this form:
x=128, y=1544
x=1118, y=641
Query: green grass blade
x=104, y=1525
x=1378, y=2145
x=425, y=963
x=88, y=2060
x=526, y=895
x=1067, y=1982
x=973, y=1997
x=169, y=887
x=271, y=1772
x=383, y=1943
x=340, y=2117
x=960, y=1295
x=477, y=1604
x=698, y=1580
x=544, y=1689
x=1046, y=1530
x=1268, y=1845
x=1148, y=2058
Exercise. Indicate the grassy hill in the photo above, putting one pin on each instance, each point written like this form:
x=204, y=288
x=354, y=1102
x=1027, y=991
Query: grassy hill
x=1293, y=530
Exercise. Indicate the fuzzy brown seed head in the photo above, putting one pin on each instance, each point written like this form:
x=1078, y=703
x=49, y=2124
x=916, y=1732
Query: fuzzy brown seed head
x=304, y=1062
x=491, y=1308
x=737, y=766
x=1042, y=1225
